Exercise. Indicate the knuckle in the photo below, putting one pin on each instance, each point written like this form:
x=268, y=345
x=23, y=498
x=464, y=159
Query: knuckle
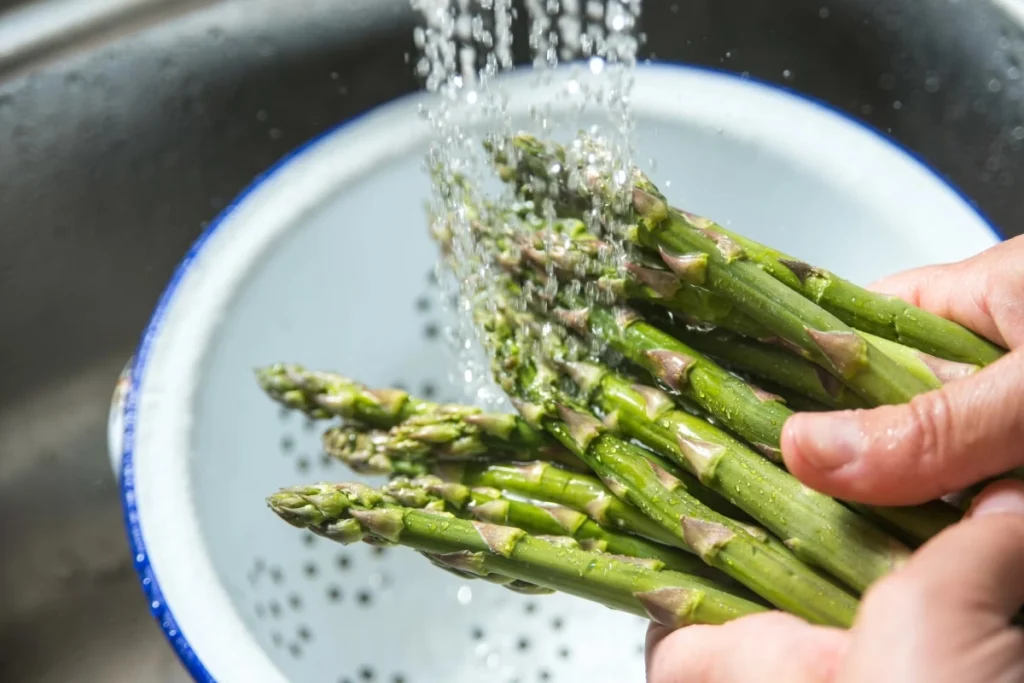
x=930, y=436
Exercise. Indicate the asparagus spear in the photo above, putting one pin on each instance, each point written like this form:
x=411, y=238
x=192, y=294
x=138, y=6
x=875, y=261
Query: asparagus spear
x=914, y=522
x=410, y=447
x=667, y=597
x=793, y=372
x=322, y=395
x=796, y=320
x=542, y=519
x=817, y=528
x=771, y=572
x=882, y=315
x=575, y=252
x=756, y=417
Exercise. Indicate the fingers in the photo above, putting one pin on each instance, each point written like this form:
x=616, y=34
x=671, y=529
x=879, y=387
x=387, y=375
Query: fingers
x=938, y=443
x=984, y=293
x=769, y=648
x=944, y=616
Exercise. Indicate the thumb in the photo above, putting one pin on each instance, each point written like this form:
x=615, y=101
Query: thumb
x=940, y=442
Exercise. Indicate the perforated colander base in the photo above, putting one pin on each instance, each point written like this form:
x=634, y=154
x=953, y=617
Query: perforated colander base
x=388, y=616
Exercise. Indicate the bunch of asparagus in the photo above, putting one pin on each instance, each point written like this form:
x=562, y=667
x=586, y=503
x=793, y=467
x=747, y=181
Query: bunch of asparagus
x=653, y=358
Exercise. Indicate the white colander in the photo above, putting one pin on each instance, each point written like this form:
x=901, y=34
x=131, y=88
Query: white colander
x=326, y=261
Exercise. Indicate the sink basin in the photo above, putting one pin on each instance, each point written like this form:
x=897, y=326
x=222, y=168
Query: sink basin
x=127, y=125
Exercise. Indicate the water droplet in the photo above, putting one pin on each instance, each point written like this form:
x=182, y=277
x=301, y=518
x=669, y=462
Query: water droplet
x=464, y=595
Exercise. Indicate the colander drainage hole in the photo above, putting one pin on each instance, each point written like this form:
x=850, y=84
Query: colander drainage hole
x=431, y=330
x=287, y=444
x=398, y=678
x=544, y=675
x=302, y=464
x=310, y=570
x=477, y=633
x=334, y=594
x=429, y=390
x=308, y=424
x=284, y=413
x=343, y=562
x=326, y=461
x=308, y=539
x=275, y=609
x=563, y=652
x=378, y=551
x=422, y=304
x=277, y=639
x=276, y=575
x=295, y=650
x=524, y=643
x=295, y=601
x=557, y=623
x=364, y=598
x=305, y=634
x=366, y=673
x=530, y=607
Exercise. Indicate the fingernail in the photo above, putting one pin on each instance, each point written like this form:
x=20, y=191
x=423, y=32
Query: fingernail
x=1001, y=498
x=828, y=441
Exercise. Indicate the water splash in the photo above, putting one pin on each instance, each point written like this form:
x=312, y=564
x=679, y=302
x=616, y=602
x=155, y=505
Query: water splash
x=464, y=49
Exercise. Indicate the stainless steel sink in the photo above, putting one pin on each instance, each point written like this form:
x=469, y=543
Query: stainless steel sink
x=125, y=125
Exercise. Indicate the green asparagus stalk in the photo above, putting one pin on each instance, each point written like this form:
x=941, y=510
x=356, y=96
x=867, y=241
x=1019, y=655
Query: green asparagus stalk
x=882, y=315
x=410, y=447
x=734, y=408
x=322, y=395
x=741, y=407
x=783, y=368
x=574, y=252
x=667, y=597
x=795, y=320
x=817, y=528
x=773, y=573
x=541, y=519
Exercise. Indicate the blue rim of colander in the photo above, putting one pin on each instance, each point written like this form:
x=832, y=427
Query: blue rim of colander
x=147, y=576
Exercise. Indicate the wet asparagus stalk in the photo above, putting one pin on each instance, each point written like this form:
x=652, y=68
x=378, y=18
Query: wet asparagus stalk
x=667, y=597
x=795, y=320
x=566, y=249
x=541, y=519
x=322, y=395
x=747, y=411
x=773, y=573
x=885, y=316
x=817, y=528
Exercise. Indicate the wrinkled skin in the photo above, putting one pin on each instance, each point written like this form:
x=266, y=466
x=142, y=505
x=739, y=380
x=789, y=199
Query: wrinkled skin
x=945, y=615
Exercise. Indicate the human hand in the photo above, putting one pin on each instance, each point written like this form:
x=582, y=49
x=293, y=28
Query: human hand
x=942, y=617
x=945, y=615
